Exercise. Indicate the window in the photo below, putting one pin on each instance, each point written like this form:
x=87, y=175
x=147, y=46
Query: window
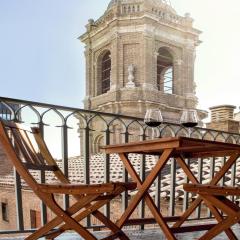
x=35, y=219
x=167, y=80
x=4, y=212
x=165, y=71
x=106, y=72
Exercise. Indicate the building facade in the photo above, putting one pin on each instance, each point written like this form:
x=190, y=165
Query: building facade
x=140, y=54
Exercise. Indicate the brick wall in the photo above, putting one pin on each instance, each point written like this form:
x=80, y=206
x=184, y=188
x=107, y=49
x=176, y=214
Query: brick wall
x=5, y=164
x=30, y=202
x=7, y=195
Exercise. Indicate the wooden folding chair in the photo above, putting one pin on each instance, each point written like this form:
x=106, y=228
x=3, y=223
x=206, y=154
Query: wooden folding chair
x=216, y=198
x=18, y=144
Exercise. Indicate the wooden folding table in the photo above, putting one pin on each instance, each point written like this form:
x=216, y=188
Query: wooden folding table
x=180, y=148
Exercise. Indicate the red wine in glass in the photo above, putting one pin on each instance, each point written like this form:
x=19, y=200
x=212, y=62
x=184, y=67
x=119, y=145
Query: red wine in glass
x=189, y=119
x=153, y=118
x=190, y=124
x=153, y=123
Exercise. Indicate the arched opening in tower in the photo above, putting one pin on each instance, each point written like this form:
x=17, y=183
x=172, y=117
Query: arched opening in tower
x=165, y=71
x=106, y=72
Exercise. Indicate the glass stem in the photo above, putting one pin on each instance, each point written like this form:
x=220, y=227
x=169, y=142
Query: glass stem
x=153, y=133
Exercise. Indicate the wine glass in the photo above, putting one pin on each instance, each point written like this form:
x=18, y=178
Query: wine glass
x=153, y=118
x=189, y=119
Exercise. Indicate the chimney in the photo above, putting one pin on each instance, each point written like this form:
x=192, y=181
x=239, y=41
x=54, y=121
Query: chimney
x=222, y=118
x=223, y=112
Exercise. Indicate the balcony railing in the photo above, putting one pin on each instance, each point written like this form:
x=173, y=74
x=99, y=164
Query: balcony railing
x=74, y=137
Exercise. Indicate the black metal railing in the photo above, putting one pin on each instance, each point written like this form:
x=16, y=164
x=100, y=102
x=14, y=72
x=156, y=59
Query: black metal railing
x=74, y=137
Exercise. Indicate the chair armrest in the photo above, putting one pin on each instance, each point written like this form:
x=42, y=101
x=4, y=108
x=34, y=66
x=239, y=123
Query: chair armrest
x=77, y=189
x=212, y=190
x=127, y=186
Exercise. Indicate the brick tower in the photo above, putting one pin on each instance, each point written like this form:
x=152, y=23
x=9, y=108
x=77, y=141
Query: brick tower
x=141, y=54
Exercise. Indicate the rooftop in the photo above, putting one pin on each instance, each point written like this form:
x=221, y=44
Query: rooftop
x=76, y=173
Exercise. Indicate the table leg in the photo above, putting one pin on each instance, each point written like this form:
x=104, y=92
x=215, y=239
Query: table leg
x=217, y=229
x=143, y=187
x=214, y=181
x=186, y=169
x=219, y=218
x=228, y=164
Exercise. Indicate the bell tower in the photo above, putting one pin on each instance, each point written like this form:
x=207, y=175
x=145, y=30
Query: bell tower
x=140, y=54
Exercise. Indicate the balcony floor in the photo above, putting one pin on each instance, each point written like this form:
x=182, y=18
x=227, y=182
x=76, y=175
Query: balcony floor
x=148, y=234
x=153, y=234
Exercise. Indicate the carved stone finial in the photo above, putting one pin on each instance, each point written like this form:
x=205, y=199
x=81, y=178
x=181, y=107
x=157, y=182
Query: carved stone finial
x=90, y=24
x=91, y=21
x=131, y=77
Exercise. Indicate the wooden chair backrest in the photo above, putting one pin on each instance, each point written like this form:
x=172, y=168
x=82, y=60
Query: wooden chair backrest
x=27, y=151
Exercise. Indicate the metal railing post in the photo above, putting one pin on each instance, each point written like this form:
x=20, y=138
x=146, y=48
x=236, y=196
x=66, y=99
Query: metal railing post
x=42, y=180
x=200, y=175
x=86, y=159
x=125, y=178
x=65, y=160
x=142, y=176
x=212, y=171
x=107, y=169
x=186, y=194
x=172, y=188
x=19, y=206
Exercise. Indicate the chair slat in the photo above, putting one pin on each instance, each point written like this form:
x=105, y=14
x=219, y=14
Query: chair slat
x=47, y=155
x=36, y=156
x=20, y=146
x=40, y=167
x=34, y=160
x=212, y=189
x=13, y=125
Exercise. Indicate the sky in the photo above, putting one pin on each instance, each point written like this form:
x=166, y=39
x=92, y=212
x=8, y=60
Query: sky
x=41, y=58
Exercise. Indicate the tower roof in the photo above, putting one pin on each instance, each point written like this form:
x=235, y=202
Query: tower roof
x=154, y=3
